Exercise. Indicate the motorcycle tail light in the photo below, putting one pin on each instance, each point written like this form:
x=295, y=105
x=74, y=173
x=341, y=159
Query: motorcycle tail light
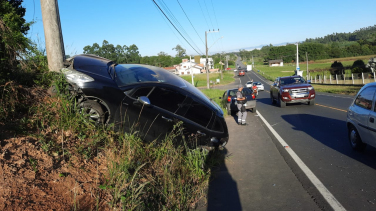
x=229, y=99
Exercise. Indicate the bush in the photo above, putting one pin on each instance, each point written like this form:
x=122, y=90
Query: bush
x=337, y=68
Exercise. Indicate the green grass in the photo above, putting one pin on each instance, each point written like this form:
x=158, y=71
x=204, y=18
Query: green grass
x=161, y=175
x=348, y=90
x=200, y=80
x=315, y=68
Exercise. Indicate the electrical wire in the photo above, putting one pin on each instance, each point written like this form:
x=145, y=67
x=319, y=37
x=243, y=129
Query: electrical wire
x=191, y=23
x=178, y=24
x=174, y=26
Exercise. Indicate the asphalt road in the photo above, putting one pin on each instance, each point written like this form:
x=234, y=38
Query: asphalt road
x=318, y=135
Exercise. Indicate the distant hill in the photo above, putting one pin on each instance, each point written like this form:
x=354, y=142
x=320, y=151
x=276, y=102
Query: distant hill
x=365, y=33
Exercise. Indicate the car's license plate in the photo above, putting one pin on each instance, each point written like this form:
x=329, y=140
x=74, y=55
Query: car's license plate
x=300, y=95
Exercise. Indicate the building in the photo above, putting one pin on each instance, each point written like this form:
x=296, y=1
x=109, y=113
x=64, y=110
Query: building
x=276, y=63
x=187, y=68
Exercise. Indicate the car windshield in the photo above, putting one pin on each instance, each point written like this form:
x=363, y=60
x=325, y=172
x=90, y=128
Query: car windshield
x=127, y=74
x=292, y=80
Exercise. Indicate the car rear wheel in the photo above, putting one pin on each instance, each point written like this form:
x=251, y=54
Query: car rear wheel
x=354, y=138
x=93, y=111
x=281, y=103
x=311, y=102
x=228, y=111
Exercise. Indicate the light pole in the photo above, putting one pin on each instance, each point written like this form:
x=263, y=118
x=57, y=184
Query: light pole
x=206, y=63
x=297, y=57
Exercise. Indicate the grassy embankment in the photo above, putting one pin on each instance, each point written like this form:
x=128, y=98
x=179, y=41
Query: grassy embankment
x=136, y=176
x=271, y=73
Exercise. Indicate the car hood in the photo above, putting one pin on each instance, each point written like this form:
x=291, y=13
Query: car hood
x=295, y=86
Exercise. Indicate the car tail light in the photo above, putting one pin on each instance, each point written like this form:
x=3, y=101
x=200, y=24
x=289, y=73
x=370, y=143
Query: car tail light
x=229, y=99
x=253, y=96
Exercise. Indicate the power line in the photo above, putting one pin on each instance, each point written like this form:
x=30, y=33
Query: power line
x=191, y=23
x=174, y=26
x=178, y=24
x=173, y=31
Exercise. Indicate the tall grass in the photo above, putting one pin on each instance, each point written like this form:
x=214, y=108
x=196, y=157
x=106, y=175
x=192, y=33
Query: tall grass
x=161, y=175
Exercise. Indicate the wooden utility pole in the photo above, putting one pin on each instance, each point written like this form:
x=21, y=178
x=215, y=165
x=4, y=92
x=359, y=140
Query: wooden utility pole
x=53, y=34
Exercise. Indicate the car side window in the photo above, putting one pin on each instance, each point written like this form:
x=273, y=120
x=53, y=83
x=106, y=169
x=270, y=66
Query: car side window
x=199, y=113
x=166, y=99
x=365, y=98
x=144, y=91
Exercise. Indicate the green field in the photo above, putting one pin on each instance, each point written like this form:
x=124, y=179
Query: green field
x=200, y=80
x=314, y=67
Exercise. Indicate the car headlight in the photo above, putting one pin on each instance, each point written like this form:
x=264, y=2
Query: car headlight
x=310, y=88
x=75, y=76
x=285, y=90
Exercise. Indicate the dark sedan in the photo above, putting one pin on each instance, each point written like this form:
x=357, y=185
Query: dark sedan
x=143, y=99
x=229, y=100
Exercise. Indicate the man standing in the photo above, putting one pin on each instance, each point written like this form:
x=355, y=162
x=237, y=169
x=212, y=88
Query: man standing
x=241, y=100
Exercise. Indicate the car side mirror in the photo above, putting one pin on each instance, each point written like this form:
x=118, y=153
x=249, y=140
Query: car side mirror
x=144, y=100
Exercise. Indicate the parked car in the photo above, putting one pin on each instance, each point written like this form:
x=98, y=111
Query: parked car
x=361, y=115
x=143, y=98
x=241, y=73
x=292, y=89
x=260, y=86
x=229, y=100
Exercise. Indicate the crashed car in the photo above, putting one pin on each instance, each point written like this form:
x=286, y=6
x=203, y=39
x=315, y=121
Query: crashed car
x=143, y=98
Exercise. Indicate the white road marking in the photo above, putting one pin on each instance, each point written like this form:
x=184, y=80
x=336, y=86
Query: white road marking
x=333, y=202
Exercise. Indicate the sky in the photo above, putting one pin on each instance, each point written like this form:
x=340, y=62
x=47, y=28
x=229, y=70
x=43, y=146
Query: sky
x=242, y=24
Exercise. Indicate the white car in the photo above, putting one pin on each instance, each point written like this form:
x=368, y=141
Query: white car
x=249, y=84
x=259, y=85
x=361, y=118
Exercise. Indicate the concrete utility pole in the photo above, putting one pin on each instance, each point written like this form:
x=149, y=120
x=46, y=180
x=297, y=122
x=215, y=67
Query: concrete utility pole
x=206, y=64
x=53, y=34
x=297, y=57
x=306, y=55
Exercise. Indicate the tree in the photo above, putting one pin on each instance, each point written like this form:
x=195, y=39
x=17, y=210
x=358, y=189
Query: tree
x=337, y=68
x=180, y=51
x=13, y=29
x=133, y=54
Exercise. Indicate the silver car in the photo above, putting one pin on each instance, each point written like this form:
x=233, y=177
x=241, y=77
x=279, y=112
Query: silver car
x=361, y=115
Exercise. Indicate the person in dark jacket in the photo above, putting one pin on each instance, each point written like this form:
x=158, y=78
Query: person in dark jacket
x=241, y=100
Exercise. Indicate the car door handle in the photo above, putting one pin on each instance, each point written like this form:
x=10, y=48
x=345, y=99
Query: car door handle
x=201, y=133
x=371, y=119
x=167, y=119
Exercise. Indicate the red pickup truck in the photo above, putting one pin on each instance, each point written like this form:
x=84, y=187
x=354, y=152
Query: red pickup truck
x=241, y=73
x=292, y=89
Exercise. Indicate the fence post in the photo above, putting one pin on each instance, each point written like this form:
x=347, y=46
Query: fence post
x=315, y=79
x=374, y=78
x=311, y=79
x=324, y=79
x=363, y=78
x=330, y=79
x=344, y=79
x=352, y=76
x=336, y=78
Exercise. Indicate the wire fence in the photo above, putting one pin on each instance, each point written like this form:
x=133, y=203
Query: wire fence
x=352, y=78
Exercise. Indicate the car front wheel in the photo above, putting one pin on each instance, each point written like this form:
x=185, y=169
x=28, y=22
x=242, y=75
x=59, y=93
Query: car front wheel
x=312, y=102
x=281, y=103
x=355, y=141
x=93, y=111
